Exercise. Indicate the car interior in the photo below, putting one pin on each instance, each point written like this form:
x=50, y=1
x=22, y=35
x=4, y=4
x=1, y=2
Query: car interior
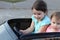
x=24, y=23
x=19, y=24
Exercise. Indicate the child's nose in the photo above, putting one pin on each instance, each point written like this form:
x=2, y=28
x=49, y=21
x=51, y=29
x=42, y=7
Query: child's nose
x=55, y=24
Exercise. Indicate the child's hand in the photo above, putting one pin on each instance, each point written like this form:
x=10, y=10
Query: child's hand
x=23, y=31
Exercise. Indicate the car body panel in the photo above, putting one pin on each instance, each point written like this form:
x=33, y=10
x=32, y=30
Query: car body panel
x=6, y=32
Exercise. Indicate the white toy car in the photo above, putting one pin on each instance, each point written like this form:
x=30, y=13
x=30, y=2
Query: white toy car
x=7, y=31
x=10, y=31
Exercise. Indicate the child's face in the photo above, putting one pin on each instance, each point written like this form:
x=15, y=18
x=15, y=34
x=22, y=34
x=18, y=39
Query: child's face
x=38, y=14
x=55, y=23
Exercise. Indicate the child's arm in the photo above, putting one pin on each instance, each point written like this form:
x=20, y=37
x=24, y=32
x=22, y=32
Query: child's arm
x=29, y=30
x=43, y=29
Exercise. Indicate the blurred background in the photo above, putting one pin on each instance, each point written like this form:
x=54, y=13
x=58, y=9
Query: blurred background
x=10, y=9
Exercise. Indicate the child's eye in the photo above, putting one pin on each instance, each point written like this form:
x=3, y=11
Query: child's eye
x=34, y=13
x=39, y=13
x=58, y=23
x=53, y=22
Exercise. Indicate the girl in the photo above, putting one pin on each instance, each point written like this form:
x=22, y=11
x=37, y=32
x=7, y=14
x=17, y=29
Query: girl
x=55, y=23
x=39, y=18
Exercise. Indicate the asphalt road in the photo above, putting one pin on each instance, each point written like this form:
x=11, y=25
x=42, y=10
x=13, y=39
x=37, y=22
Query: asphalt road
x=23, y=9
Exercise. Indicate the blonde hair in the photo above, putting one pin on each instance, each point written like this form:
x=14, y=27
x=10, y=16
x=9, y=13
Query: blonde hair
x=56, y=14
